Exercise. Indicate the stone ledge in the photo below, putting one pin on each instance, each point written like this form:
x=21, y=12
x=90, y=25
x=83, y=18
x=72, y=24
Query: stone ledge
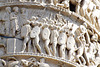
x=40, y=56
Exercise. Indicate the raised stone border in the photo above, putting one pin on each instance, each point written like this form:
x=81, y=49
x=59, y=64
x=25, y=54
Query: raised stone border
x=63, y=61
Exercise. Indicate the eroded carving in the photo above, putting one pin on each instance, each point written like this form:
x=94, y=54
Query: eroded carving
x=14, y=21
x=79, y=45
x=45, y=37
x=6, y=19
x=34, y=34
x=62, y=42
x=53, y=40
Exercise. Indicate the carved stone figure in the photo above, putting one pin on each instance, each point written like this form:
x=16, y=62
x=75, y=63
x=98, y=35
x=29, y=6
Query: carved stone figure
x=13, y=64
x=90, y=54
x=30, y=32
x=85, y=7
x=81, y=41
x=62, y=42
x=34, y=34
x=83, y=30
x=34, y=21
x=14, y=21
x=6, y=19
x=45, y=37
x=25, y=62
x=95, y=16
x=31, y=62
x=23, y=17
x=42, y=63
x=71, y=46
x=25, y=30
x=54, y=37
x=2, y=63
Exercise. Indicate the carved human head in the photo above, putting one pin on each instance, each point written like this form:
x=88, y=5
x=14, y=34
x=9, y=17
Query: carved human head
x=23, y=10
x=8, y=9
x=15, y=9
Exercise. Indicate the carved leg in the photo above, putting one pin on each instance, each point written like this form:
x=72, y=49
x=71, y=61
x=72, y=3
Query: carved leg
x=87, y=58
x=13, y=31
x=84, y=62
x=34, y=48
x=62, y=51
x=71, y=54
x=47, y=47
x=37, y=44
x=7, y=25
x=54, y=48
x=29, y=46
x=24, y=43
x=77, y=59
x=12, y=64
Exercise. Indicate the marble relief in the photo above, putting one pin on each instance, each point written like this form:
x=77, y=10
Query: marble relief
x=33, y=35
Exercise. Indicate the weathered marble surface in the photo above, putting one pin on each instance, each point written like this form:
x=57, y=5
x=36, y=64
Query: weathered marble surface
x=65, y=29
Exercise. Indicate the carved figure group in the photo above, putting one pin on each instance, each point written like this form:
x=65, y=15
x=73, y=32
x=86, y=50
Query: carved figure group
x=63, y=37
x=35, y=32
x=30, y=62
x=85, y=8
x=10, y=21
x=62, y=42
x=6, y=19
x=49, y=34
